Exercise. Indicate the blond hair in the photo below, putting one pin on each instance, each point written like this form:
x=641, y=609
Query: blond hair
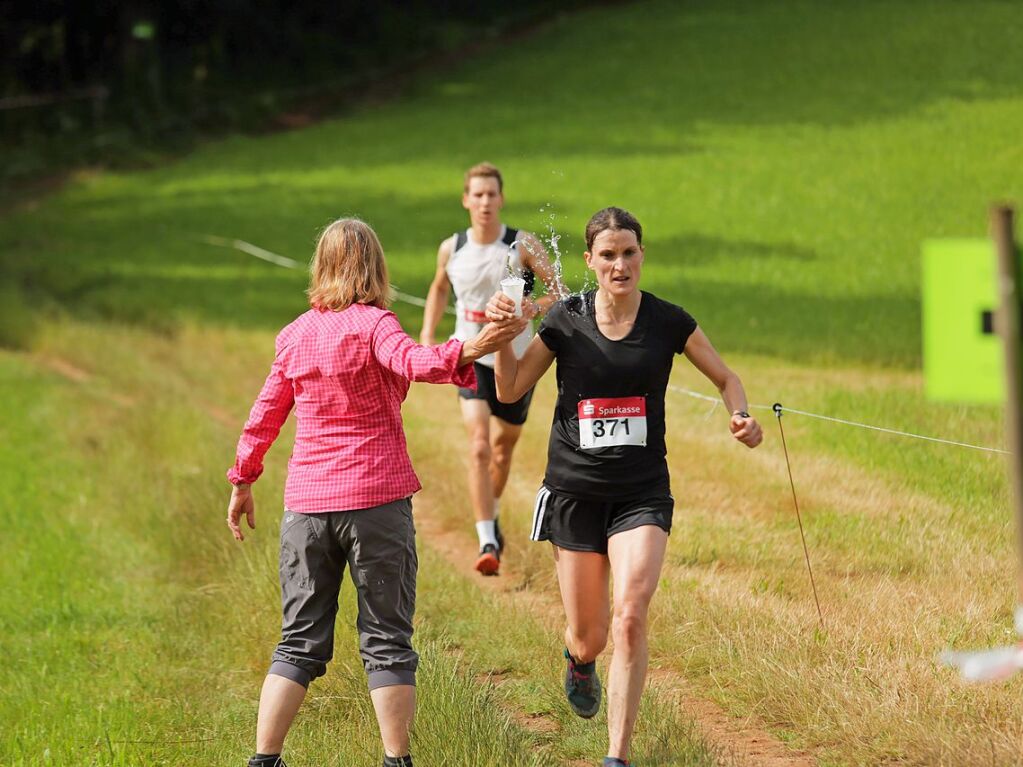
x=484, y=170
x=348, y=268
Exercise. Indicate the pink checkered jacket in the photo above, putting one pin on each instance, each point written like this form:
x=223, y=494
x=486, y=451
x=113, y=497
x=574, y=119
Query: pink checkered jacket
x=346, y=374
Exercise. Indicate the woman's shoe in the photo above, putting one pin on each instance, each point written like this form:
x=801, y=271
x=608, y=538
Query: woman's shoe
x=582, y=687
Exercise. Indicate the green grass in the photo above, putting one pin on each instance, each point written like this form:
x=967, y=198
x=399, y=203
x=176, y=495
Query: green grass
x=786, y=161
x=142, y=631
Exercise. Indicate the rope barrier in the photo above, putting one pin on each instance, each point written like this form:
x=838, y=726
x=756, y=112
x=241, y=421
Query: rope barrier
x=284, y=261
x=697, y=395
x=252, y=250
x=290, y=263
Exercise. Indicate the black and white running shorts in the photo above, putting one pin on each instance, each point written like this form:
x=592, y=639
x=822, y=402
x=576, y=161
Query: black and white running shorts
x=579, y=525
x=514, y=412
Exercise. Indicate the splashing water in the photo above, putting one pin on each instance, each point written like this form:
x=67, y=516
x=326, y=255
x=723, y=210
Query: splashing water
x=513, y=271
x=550, y=238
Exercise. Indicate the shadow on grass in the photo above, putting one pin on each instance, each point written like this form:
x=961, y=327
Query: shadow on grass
x=161, y=273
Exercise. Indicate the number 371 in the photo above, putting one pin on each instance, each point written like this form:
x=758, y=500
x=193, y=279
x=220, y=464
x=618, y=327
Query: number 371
x=602, y=427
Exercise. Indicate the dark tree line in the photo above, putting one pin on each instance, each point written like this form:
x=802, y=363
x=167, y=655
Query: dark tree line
x=143, y=66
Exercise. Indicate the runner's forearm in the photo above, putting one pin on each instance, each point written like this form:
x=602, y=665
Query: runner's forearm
x=733, y=394
x=505, y=372
x=436, y=300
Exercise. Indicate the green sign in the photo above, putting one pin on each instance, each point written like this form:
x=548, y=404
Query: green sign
x=963, y=356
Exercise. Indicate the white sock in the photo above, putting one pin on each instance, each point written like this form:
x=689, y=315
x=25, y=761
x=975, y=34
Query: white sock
x=485, y=531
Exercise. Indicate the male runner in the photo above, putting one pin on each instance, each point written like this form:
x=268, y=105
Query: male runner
x=473, y=262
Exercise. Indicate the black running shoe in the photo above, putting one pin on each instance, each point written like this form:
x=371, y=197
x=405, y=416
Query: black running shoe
x=499, y=537
x=489, y=560
x=614, y=761
x=582, y=687
x=267, y=762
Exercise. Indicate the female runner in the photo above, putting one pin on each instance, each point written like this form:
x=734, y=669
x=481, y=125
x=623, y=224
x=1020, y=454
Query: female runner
x=605, y=503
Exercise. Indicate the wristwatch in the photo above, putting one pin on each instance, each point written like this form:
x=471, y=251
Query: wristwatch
x=741, y=413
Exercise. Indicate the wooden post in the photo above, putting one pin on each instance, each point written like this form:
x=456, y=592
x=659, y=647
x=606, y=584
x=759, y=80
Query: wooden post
x=1010, y=320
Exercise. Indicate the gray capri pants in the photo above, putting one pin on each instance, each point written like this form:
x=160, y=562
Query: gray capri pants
x=379, y=546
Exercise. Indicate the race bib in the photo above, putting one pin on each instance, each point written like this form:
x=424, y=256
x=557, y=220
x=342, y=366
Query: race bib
x=474, y=316
x=609, y=422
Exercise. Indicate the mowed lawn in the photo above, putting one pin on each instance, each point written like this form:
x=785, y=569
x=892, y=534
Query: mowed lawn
x=786, y=160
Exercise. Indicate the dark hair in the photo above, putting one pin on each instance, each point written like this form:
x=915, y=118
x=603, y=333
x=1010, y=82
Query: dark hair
x=612, y=218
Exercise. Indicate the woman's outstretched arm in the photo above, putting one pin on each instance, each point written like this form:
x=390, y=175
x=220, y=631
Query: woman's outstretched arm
x=445, y=363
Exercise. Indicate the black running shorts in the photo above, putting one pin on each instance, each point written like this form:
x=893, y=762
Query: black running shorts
x=514, y=413
x=586, y=525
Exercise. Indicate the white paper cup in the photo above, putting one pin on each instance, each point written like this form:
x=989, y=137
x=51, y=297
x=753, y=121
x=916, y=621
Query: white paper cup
x=512, y=287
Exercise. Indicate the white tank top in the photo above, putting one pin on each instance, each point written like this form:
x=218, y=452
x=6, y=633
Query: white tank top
x=475, y=272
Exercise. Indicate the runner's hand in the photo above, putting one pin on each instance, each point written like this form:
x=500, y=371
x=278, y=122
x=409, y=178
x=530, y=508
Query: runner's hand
x=241, y=503
x=500, y=307
x=746, y=430
x=530, y=308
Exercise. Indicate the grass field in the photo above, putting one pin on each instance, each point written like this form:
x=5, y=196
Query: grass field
x=786, y=161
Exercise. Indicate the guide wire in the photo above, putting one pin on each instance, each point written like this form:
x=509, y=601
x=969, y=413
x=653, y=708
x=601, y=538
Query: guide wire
x=290, y=263
x=799, y=518
x=832, y=419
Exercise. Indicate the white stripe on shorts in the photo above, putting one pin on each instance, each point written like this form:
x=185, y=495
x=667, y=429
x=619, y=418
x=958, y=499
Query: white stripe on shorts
x=542, y=496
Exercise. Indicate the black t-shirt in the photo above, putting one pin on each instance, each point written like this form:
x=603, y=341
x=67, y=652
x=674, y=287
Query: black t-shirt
x=608, y=385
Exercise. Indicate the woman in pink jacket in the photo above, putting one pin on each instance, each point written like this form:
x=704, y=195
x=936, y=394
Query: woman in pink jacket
x=345, y=367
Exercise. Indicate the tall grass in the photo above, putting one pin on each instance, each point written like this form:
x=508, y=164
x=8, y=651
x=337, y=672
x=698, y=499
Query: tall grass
x=903, y=570
x=142, y=630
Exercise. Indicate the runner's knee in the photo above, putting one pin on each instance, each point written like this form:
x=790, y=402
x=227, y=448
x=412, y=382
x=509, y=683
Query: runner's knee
x=479, y=451
x=502, y=452
x=629, y=625
x=588, y=643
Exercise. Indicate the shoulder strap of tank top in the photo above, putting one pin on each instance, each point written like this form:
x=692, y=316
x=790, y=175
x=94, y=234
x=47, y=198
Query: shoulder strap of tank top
x=509, y=236
x=460, y=239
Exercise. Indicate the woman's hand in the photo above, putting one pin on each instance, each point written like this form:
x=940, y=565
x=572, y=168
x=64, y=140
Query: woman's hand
x=491, y=337
x=241, y=503
x=746, y=430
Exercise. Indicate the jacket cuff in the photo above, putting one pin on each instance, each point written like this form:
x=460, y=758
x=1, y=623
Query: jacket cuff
x=236, y=477
x=464, y=376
